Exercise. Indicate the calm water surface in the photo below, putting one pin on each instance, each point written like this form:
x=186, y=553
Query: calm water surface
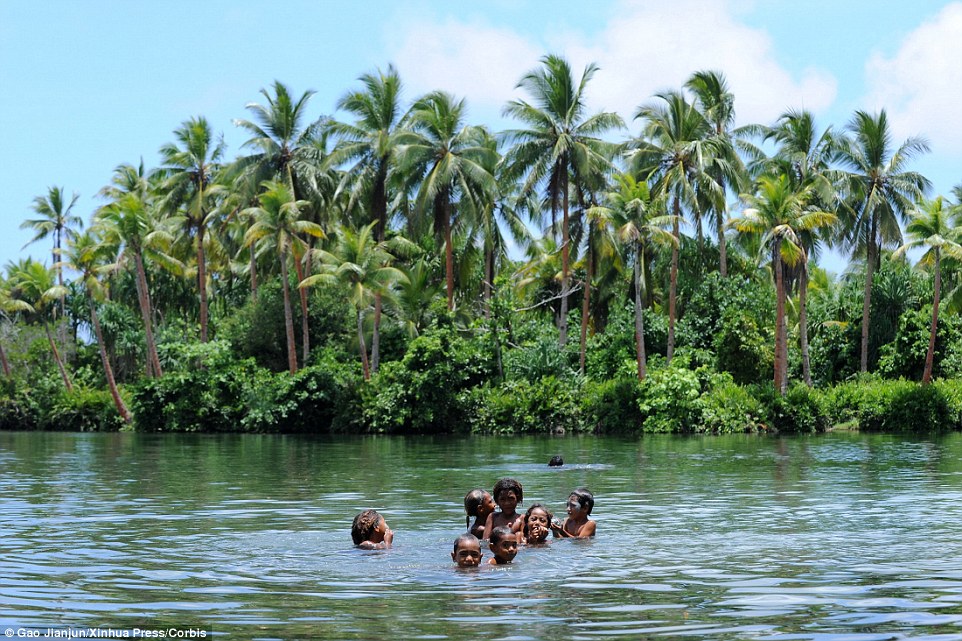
x=836, y=537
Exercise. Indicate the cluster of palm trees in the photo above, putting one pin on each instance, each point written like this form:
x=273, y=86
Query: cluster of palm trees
x=358, y=203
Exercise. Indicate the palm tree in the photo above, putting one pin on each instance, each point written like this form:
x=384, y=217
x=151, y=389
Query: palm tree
x=129, y=226
x=190, y=165
x=369, y=146
x=880, y=191
x=718, y=108
x=284, y=150
x=360, y=264
x=90, y=257
x=55, y=220
x=450, y=159
x=561, y=144
x=36, y=285
x=675, y=149
x=277, y=229
x=641, y=224
x=780, y=213
x=930, y=226
x=805, y=156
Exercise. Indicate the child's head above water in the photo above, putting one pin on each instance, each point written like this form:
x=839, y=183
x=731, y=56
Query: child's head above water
x=505, y=486
x=584, y=499
x=467, y=551
x=503, y=545
x=537, y=523
x=367, y=527
x=478, y=503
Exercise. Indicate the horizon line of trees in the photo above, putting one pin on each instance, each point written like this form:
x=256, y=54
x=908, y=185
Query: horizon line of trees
x=396, y=206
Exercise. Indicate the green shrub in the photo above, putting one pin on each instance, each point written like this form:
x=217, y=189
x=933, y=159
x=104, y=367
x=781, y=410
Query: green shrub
x=801, y=410
x=899, y=406
x=611, y=406
x=670, y=401
x=544, y=406
x=82, y=410
x=730, y=408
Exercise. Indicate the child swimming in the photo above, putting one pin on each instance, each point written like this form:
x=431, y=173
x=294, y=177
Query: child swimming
x=467, y=551
x=537, y=524
x=479, y=504
x=370, y=531
x=503, y=545
x=577, y=525
x=508, y=494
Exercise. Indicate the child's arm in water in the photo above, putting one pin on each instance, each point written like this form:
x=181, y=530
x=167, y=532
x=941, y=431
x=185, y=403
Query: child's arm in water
x=585, y=530
x=383, y=545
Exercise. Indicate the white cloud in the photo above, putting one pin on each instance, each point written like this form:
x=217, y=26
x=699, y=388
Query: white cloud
x=920, y=86
x=644, y=48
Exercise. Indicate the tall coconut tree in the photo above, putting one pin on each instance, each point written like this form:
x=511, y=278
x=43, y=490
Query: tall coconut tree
x=559, y=144
x=448, y=157
x=717, y=104
x=57, y=221
x=189, y=167
x=931, y=227
x=130, y=227
x=880, y=190
x=780, y=213
x=360, y=265
x=675, y=149
x=36, y=285
x=642, y=225
x=91, y=258
x=806, y=157
x=367, y=148
x=277, y=229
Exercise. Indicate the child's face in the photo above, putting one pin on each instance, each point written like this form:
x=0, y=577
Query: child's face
x=574, y=509
x=507, y=501
x=378, y=534
x=468, y=555
x=505, y=550
x=538, y=525
x=487, y=506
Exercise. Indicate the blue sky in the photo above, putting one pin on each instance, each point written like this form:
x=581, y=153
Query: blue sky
x=89, y=85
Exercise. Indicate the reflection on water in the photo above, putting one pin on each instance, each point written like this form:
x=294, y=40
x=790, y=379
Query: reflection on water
x=834, y=537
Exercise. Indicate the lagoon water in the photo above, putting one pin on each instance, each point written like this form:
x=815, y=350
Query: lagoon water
x=831, y=537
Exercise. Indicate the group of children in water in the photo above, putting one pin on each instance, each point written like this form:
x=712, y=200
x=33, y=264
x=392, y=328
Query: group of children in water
x=505, y=529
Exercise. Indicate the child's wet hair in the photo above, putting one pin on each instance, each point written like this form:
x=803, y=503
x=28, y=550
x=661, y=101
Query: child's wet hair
x=472, y=501
x=585, y=498
x=364, y=525
x=467, y=537
x=507, y=484
x=535, y=506
x=499, y=534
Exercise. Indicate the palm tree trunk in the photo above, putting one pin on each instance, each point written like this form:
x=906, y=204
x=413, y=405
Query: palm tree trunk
x=376, y=335
x=305, y=321
x=930, y=354
x=202, y=280
x=448, y=252
x=780, y=385
x=146, y=312
x=867, y=301
x=362, y=347
x=722, y=246
x=639, y=318
x=253, y=270
x=803, y=321
x=3, y=361
x=488, y=281
x=563, y=320
x=288, y=320
x=108, y=370
x=585, y=306
x=673, y=280
x=56, y=357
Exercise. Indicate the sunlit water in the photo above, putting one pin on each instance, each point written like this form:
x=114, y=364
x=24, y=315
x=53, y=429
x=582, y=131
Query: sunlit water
x=842, y=537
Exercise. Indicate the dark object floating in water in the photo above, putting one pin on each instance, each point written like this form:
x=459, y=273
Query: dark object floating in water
x=556, y=461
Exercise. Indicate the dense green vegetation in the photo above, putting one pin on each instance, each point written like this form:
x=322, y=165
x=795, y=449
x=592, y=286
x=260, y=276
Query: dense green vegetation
x=397, y=269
